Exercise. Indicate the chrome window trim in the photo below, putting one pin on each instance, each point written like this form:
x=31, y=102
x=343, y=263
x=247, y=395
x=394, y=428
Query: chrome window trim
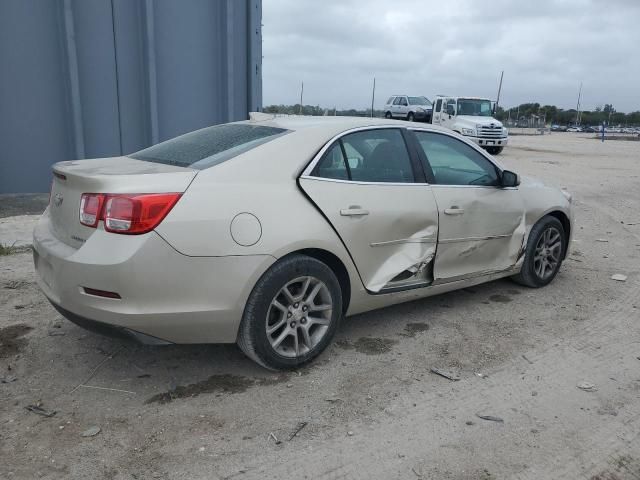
x=306, y=173
x=358, y=182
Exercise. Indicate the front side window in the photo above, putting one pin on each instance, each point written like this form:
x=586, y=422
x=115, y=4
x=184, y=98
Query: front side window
x=438, y=104
x=403, y=101
x=397, y=101
x=455, y=163
x=378, y=155
x=451, y=106
x=210, y=146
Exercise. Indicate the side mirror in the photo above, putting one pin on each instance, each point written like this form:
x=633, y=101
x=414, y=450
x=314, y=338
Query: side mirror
x=509, y=179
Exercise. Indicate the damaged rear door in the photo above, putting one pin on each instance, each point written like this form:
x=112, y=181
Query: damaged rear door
x=482, y=226
x=373, y=192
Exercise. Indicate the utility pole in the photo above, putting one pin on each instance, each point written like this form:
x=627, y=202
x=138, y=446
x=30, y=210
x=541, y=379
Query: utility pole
x=301, y=92
x=578, y=106
x=499, y=90
x=373, y=95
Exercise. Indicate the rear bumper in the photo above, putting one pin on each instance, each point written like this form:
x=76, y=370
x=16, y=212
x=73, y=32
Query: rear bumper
x=165, y=296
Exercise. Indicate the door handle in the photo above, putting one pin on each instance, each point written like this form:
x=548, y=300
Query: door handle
x=454, y=211
x=354, y=211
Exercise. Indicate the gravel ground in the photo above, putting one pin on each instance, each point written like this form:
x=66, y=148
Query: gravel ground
x=369, y=407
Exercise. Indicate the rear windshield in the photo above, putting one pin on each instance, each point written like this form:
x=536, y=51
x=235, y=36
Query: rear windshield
x=210, y=146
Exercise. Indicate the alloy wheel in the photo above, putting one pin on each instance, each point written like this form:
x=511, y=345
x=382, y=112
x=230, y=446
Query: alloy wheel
x=547, y=254
x=299, y=316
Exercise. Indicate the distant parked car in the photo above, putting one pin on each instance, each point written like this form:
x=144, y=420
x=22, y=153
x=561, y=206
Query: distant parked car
x=574, y=129
x=409, y=108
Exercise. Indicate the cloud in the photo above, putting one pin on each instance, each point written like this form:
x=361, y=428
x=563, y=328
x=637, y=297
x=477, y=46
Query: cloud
x=425, y=47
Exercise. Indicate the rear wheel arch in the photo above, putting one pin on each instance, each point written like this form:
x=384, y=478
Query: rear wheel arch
x=338, y=268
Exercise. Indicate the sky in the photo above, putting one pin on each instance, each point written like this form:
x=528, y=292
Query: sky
x=454, y=47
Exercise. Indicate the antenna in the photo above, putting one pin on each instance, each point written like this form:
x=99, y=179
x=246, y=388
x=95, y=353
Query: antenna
x=373, y=95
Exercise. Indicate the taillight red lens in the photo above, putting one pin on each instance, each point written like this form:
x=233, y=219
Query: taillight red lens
x=90, y=208
x=131, y=214
x=136, y=214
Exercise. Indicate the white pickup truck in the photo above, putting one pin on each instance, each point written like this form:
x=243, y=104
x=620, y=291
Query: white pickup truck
x=473, y=118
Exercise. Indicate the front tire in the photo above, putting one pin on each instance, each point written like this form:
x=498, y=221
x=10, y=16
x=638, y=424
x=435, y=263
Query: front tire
x=410, y=117
x=387, y=115
x=545, y=251
x=495, y=150
x=292, y=313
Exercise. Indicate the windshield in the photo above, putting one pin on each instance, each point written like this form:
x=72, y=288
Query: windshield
x=210, y=146
x=419, y=101
x=478, y=108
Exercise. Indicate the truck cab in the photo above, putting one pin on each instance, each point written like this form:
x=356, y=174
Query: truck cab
x=473, y=118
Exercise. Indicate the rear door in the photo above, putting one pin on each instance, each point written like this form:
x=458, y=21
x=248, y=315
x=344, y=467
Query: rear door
x=482, y=225
x=372, y=190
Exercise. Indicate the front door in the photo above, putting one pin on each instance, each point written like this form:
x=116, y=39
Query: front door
x=482, y=226
x=373, y=193
x=437, y=109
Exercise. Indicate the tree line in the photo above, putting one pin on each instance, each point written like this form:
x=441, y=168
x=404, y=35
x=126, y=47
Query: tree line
x=524, y=112
x=554, y=115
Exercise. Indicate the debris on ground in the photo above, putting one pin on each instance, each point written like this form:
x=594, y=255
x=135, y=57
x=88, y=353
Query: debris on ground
x=587, y=387
x=301, y=425
x=602, y=240
x=350, y=433
x=449, y=375
x=37, y=408
x=619, y=277
x=469, y=422
x=8, y=379
x=490, y=418
x=332, y=400
x=482, y=375
x=525, y=357
x=91, y=431
x=275, y=439
x=56, y=333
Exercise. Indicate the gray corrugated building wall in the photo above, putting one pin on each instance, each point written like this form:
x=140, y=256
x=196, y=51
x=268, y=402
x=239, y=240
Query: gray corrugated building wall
x=96, y=78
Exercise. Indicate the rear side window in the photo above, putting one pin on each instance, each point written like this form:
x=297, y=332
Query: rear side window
x=378, y=155
x=332, y=164
x=210, y=146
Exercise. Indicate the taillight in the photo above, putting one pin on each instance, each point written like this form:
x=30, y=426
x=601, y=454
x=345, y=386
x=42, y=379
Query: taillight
x=130, y=214
x=90, y=208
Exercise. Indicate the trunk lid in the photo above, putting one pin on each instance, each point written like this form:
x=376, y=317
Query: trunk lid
x=105, y=175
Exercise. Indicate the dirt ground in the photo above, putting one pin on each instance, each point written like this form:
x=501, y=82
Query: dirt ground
x=369, y=407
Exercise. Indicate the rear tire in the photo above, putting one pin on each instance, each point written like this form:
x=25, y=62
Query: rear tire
x=544, y=254
x=495, y=150
x=387, y=115
x=292, y=313
x=410, y=117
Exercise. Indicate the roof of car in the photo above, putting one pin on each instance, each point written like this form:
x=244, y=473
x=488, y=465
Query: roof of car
x=333, y=125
